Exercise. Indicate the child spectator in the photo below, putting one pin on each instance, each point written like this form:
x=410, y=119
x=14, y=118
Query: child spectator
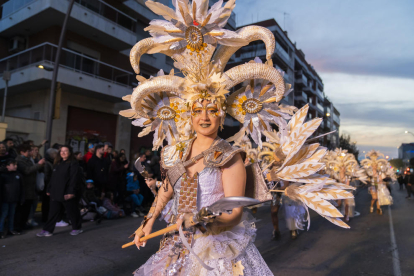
x=136, y=197
x=12, y=194
x=91, y=194
x=113, y=211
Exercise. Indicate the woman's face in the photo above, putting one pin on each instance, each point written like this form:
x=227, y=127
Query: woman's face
x=35, y=152
x=205, y=118
x=64, y=153
x=122, y=158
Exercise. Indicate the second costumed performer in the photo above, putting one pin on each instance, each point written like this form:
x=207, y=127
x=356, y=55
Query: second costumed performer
x=200, y=169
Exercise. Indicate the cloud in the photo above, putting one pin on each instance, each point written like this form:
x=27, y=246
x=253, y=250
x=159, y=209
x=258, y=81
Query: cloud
x=363, y=52
x=369, y=37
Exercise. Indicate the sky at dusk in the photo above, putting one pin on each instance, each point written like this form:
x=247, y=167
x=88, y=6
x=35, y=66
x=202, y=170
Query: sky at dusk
x=363, y=51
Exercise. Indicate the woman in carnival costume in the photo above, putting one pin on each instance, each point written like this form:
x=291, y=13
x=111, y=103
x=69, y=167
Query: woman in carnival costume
x=343, y=166
x=199, y=168
x=377, y=168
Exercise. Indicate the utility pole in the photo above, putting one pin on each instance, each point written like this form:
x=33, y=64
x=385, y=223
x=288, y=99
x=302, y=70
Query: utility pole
x=6, y=78
x=54, y=78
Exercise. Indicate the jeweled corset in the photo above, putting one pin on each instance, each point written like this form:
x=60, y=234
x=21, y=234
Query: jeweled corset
x=210, y=189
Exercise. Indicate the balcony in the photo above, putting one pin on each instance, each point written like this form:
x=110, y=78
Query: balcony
x=93, y=19
x=252, y=54
x=336, y=119
x=76, y=70
x=301, y=96
x=301, y=79
x=319, y=94
x=282, y=53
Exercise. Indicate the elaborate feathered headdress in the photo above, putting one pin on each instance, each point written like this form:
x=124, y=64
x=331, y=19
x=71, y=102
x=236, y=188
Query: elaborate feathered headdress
x=341, y=165
x=193, y=36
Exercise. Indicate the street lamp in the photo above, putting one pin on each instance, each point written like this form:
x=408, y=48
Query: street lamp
x=41, y=66
x=328, y=114
x=406, y=132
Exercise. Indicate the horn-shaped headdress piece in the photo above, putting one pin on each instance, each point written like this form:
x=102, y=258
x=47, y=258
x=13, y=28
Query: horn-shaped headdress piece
x=190, y=35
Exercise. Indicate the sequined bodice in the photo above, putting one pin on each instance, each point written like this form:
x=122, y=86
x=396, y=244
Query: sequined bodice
x=210, y=188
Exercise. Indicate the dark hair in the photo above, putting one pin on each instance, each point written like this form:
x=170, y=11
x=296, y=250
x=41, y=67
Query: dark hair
x=11, y=161
x=8, y=139
x=98, y=146
x=24, y=148
x=108, y=195
x=58, y=158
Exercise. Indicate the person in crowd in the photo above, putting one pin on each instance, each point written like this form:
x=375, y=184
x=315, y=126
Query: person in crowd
x=35, y=154
x=4, y=157
x=144, y=190
x=115, y=154
x=113, y=211
x=50, y=157
x=108, y=151
x=154, y=164
x=400, y=180
x=31, y=143
x=116, y=176
x=11, y=148
x=97, y=168
x=409, y=183
x=35, y=157
x=29, y=170
x=89, y=154
x=64, y=193
x=12, y=194
x=134, y=187
x=79, y=157
x=91, y=194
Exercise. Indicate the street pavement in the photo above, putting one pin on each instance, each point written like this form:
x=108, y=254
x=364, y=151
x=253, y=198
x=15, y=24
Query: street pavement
x=365, y=249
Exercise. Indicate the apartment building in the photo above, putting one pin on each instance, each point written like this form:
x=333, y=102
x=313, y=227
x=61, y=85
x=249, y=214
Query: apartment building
x=94, y=72
x=307, y=84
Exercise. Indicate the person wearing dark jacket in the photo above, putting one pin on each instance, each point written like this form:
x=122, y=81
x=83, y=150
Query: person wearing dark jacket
x=28, y=170
x=97, y=168
x=117, y=173
x=12, y=194
x=10, y=148
x=62, y=189
x=50, y=157
x=4, y=157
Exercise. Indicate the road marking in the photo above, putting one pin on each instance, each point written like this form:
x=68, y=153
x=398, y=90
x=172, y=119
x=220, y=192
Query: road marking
x=394, y=249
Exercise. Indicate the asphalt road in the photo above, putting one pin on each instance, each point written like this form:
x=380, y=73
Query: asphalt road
x=325, y=249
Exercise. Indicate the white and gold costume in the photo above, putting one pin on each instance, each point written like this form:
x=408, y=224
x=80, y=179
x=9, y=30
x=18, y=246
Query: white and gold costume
x=193, y=36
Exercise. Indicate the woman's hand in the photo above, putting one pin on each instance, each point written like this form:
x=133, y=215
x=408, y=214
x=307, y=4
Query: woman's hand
x=145, y=231
x=150, y=182
x=185, y=220
x=68, y=196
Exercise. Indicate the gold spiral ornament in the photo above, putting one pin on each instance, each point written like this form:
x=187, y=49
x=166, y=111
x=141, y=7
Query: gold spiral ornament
x=252, y=106
x=166, y=113
x=194, y=38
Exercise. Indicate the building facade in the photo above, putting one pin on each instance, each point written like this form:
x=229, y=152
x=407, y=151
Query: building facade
x=406, y=152
x=94, y=72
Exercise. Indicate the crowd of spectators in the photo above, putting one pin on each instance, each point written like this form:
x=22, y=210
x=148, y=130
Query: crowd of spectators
x=70, y=187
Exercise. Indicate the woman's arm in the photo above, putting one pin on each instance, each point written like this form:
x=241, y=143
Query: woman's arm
x=234, y=184
x=157, y=206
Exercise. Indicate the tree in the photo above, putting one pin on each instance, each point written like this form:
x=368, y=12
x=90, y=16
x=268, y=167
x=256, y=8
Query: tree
x=345, y=143
x=397, y=163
